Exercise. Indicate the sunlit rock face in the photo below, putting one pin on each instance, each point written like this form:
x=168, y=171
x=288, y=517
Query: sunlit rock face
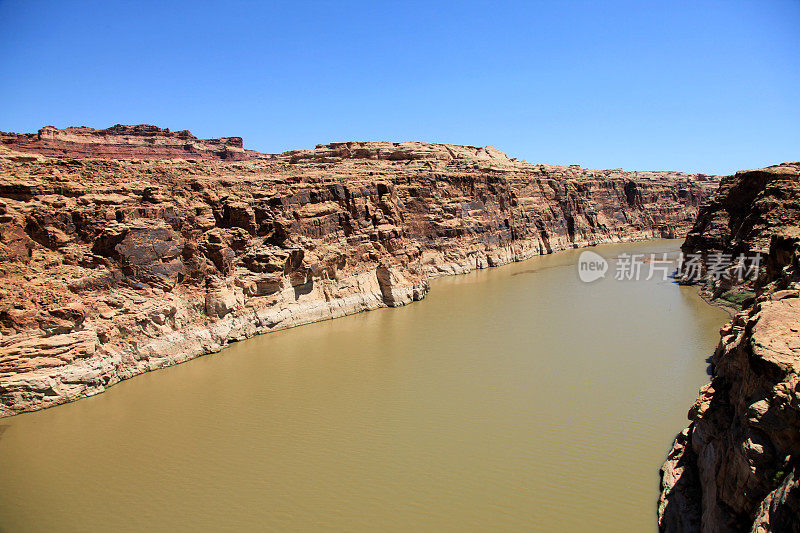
x=140, y=141
x=735, y=468
x=123, y=250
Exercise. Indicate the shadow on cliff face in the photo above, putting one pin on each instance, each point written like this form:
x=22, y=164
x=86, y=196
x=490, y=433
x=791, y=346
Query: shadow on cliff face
x=680, y=489
x=302, y=289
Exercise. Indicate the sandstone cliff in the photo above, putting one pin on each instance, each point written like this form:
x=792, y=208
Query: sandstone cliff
x=736, y=467
x=113, y=267
x=140, y=141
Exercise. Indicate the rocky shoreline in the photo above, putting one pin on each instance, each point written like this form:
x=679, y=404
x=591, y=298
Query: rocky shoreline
x=735, y=467
x=364, y=292
x=113, y=267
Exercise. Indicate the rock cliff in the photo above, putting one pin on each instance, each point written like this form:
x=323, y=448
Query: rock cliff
x=140, y=141
x=110, y=267
x=736, y=467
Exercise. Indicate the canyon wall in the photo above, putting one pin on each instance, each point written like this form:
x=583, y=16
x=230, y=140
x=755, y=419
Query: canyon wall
x=141, y=141
x=736, y=467
x=113, y=266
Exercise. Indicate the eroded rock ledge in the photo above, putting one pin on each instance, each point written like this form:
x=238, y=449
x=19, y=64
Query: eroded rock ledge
x=737, y=466
x=112, y=267
x=120, y=141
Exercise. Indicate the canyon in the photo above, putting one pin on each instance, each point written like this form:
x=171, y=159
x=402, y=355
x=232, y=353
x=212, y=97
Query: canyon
x=133, y=248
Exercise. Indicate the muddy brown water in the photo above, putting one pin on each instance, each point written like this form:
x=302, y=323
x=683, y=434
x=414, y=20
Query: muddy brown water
x=500, y=402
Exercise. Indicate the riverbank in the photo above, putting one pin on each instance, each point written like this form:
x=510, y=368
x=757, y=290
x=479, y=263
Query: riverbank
x=499, y=401
x=328, y=300
x=114, y=267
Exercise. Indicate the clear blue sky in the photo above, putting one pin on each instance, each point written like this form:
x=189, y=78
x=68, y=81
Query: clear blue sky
x=697, y=86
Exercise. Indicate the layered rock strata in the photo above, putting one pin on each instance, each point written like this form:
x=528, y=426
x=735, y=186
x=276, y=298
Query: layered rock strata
x=120, y=141
x=112, y=267
x=736, y=467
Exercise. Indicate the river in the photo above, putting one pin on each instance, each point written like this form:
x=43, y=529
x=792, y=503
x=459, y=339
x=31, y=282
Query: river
x=515, y=398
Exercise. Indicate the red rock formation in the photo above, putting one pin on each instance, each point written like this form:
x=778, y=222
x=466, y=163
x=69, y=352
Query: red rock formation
x=736, y=467
x=141, y=141
x=112, y=267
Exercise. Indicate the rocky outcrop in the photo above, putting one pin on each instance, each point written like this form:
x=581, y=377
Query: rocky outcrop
x=736, y=467
x=112, y=267
x=120, y=141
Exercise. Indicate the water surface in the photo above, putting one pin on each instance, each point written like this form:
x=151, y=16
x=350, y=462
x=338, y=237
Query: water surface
x=514, y=398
